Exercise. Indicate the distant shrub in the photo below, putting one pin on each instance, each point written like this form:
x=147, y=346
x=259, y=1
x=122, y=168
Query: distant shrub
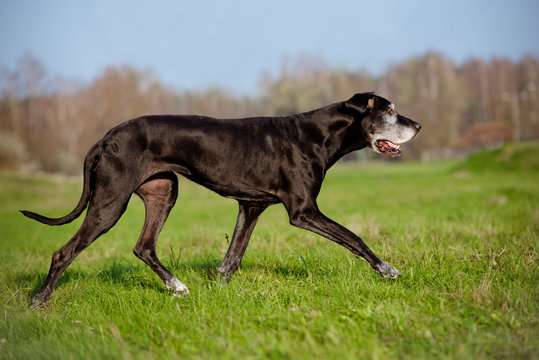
x=512, y=156
x=12, y=151
x=67, y=163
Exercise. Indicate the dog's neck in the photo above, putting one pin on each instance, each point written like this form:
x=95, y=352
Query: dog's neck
x=335, y=136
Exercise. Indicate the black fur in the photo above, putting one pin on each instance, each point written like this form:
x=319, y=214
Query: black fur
x=257, y=161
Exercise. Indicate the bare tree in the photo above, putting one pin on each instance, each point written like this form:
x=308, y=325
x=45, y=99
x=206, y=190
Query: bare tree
x=462, y=108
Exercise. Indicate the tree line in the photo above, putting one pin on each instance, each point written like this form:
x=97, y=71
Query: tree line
x=50, y=125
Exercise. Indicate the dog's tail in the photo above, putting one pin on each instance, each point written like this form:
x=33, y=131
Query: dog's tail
x=89, y=174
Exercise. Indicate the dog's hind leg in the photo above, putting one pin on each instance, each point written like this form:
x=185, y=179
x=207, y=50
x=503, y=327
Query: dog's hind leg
x=247, y=217
x=106, y=206
x=159, y=194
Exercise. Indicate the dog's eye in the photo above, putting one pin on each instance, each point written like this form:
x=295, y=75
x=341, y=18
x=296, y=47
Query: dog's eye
x=390, y=112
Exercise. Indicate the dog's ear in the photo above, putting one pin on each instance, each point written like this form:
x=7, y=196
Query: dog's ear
x=361, y=103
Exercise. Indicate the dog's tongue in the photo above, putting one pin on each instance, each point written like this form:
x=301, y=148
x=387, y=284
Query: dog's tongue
x=388, y=145
x=389, y=148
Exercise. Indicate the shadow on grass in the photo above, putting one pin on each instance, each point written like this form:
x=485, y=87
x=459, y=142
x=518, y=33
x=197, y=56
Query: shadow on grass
x=281, y=270
x=127, y=274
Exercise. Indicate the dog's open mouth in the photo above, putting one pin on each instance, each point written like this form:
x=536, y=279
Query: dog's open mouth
x=388, y=148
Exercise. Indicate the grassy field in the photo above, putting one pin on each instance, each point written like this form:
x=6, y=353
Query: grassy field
x=464, y=235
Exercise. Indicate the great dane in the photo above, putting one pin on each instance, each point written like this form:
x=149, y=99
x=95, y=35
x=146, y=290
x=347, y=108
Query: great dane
x=257, y=161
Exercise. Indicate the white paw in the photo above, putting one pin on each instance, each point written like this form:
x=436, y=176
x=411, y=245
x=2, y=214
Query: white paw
x=387, y=271
x=177, y=287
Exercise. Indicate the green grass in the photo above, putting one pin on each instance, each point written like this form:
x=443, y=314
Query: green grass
x=465, y=242
x=513, y=156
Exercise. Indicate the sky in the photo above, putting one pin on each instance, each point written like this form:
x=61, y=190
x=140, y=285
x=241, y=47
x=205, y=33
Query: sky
x=198, y=44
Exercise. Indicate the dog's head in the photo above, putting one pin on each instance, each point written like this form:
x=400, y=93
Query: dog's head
x=385, y=130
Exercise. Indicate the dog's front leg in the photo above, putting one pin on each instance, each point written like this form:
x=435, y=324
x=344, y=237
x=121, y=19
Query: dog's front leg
x=312, y=219
x=247, y=217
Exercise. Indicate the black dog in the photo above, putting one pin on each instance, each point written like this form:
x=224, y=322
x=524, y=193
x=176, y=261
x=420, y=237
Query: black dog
x=258, y=161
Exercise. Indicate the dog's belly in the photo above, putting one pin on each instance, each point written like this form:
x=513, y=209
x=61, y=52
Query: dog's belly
x=247, y=182
x=246, y=187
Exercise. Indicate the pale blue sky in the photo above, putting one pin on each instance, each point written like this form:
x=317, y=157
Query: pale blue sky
x=229, y=43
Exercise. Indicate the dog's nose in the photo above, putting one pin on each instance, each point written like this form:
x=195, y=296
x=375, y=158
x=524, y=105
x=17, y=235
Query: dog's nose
x=418, y=126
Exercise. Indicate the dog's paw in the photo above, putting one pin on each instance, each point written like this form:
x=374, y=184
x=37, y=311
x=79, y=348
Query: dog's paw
x=223, y=275
x=36, y=304
x=39, y=301
x=387, y=271
x=177, y=287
